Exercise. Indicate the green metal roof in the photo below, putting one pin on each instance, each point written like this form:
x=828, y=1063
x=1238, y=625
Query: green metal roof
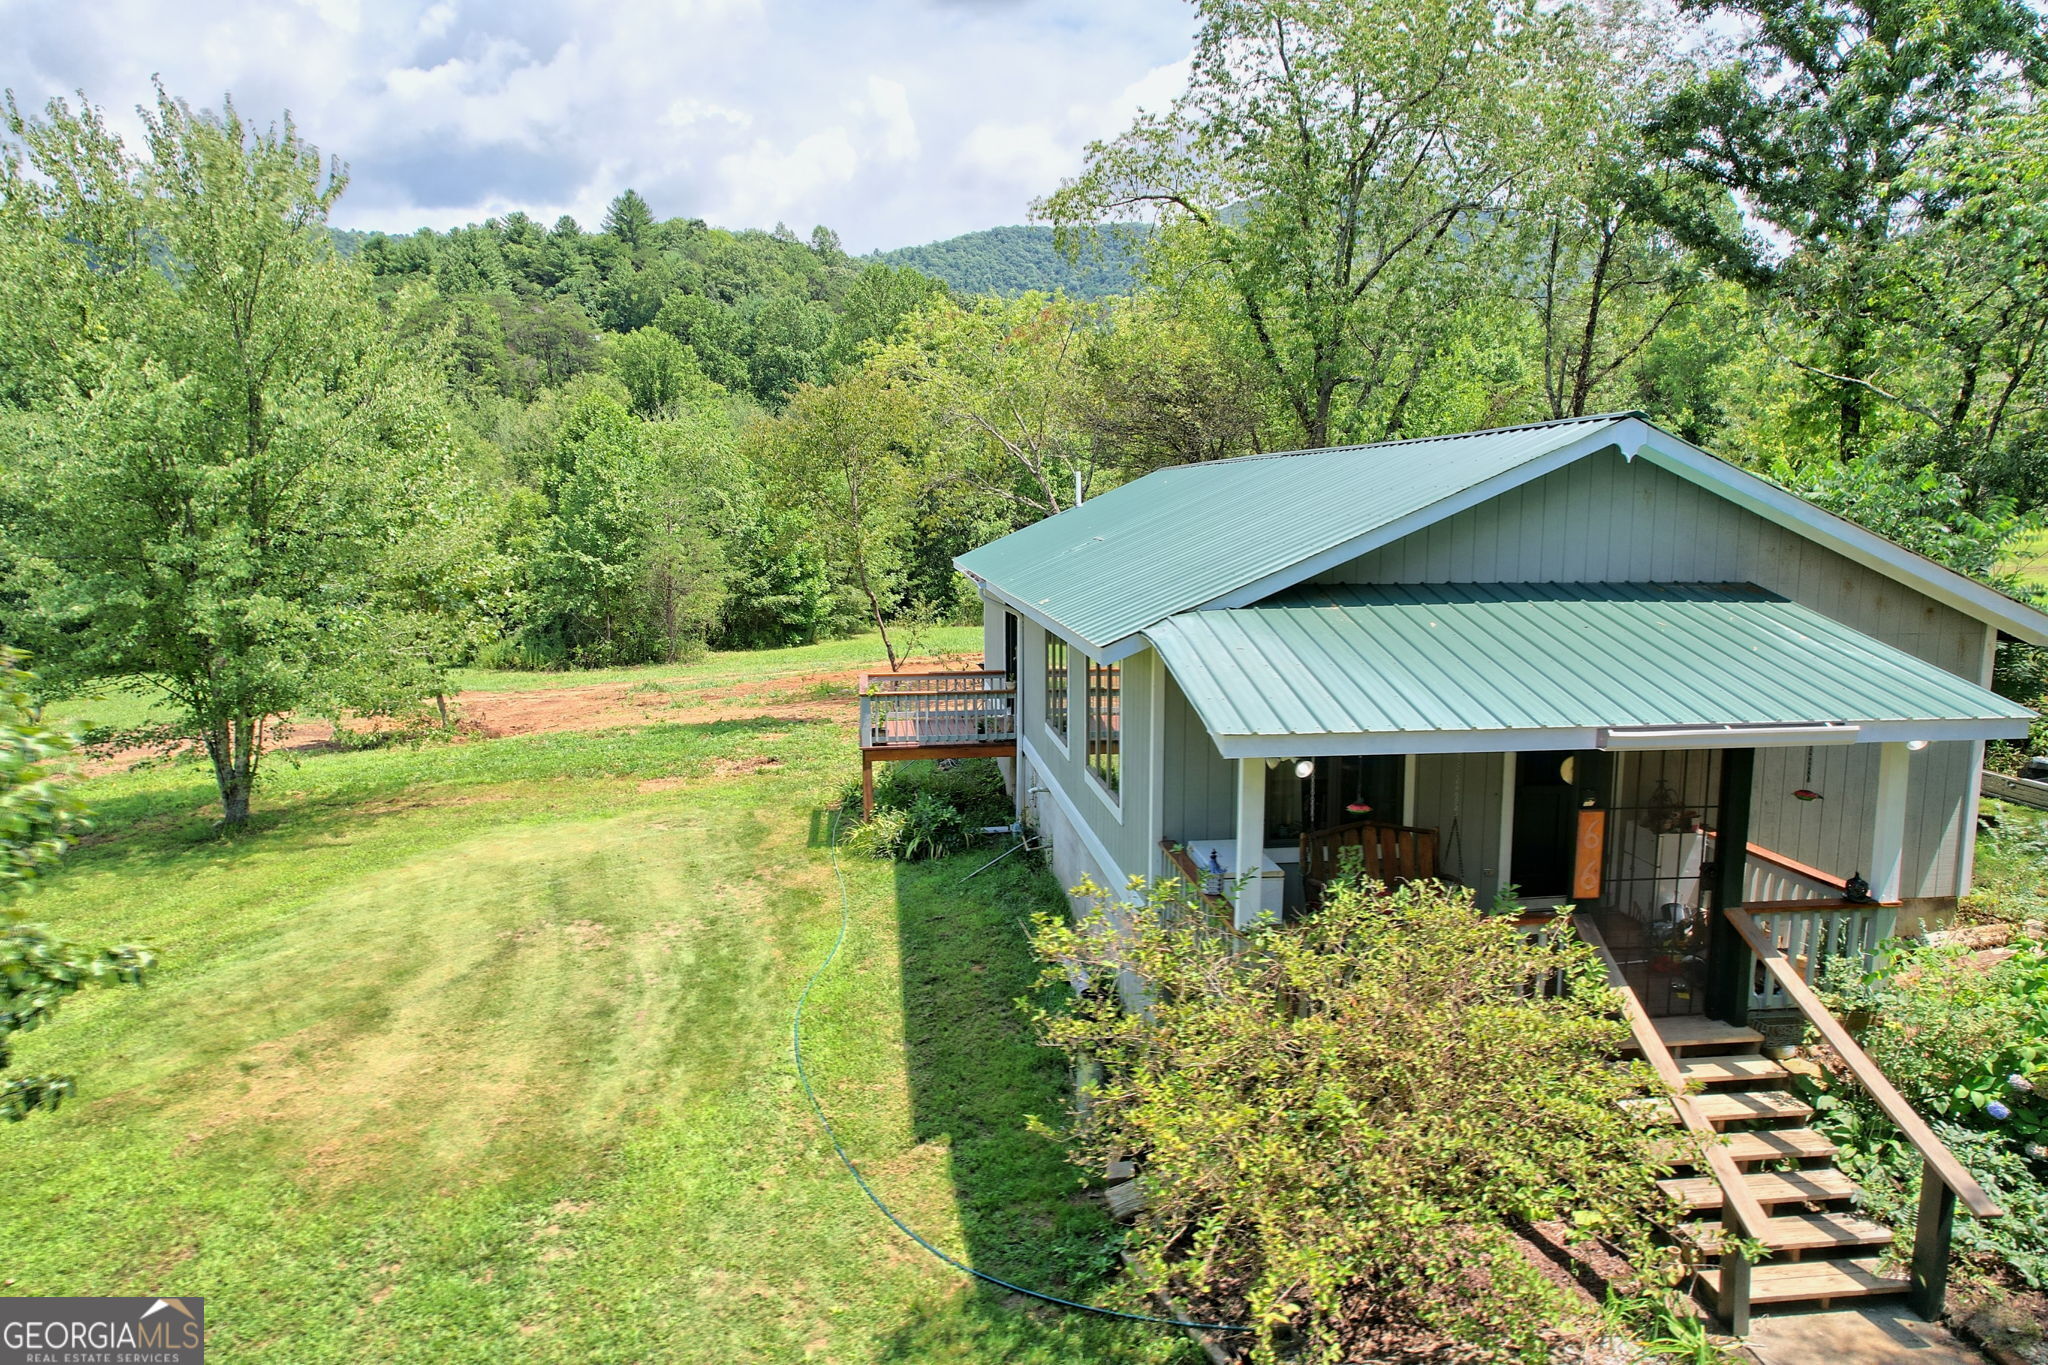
x=1474, y=660
x=1178, y=538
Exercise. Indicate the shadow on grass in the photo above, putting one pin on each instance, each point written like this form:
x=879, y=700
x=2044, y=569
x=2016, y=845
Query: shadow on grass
x=976, y=1074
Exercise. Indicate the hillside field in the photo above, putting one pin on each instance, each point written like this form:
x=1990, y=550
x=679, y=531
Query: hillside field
x=480, y=1051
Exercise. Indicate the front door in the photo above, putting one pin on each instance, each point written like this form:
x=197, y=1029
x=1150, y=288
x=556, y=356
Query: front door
x=1550, y=789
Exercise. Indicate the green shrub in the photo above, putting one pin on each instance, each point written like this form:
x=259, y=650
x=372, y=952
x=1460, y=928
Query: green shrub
x=1961, y=1039
x=878, y=837
x=1965, y=1043
x=1339, y=1120
x=925, y=809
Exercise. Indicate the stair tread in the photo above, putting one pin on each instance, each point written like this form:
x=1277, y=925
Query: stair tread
x=1692, y=1030
x=1769, y=1187
x=1734, y=1106
x=1801, y=1232
x=1769, y=1144
x=1714, y=1070
x=1786, y=1281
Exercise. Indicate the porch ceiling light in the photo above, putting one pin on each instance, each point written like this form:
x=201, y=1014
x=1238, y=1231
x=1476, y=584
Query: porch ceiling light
x=1916, y=745
x=1304, y=767
x=1724, y=736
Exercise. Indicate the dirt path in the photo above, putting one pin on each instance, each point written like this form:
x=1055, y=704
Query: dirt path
x=800, y=695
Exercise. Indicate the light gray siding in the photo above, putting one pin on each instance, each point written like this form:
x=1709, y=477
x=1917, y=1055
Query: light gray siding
x=1605, y=519
x=1200, y=788
x=1123, y=828
x=1460, y=796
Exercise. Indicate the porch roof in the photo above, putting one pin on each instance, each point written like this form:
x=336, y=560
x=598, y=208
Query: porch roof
x=1480, y=667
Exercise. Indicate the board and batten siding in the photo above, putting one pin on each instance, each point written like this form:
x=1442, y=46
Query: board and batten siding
x=1609, y=520
x=1123, y=830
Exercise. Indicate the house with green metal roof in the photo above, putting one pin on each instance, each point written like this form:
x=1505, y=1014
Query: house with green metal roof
x=1577, y=663
x=1480, y=639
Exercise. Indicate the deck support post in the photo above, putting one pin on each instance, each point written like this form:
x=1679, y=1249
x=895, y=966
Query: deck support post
x=867, y=787
x=1729, y=963
x=1732, y=1303
x=1888, y=828
x=1251, y=841
x=1932, y=1232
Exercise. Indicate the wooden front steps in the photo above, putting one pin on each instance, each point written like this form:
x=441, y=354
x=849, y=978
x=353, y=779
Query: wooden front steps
x=1800, y=1232
x=1704, y=1071
x=1685, y=1032
x=1771, y=1188
x=1816, y=1281
x=1769, y=1144
x=1820, y=1248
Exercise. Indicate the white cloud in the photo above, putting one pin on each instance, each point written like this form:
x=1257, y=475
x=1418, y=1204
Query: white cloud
x=894, y=121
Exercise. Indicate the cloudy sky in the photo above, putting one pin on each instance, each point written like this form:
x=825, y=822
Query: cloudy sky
x=893, y=121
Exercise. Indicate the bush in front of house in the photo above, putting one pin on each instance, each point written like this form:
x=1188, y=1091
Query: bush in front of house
x=925, y=809
x=1340, y=1122
x=1963, y=1036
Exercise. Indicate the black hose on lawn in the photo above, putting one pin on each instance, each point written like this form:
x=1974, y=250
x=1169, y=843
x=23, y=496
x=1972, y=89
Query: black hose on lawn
x=796, y=1047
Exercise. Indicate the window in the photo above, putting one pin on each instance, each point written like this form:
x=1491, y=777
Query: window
x=1105, y=723
x=1056, y=687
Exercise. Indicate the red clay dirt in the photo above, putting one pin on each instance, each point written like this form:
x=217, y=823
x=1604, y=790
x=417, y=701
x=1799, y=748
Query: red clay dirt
x=824, y=694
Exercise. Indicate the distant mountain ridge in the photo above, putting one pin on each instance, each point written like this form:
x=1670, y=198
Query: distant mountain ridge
x=1013, y=260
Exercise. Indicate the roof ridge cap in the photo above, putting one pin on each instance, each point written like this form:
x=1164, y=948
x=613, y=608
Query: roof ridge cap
x=1591, y=417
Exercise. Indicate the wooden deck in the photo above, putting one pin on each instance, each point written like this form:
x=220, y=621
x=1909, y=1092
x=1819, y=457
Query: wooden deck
x=934, y=715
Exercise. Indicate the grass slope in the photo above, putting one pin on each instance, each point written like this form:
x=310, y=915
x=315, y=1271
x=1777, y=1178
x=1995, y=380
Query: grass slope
x=481, y=1052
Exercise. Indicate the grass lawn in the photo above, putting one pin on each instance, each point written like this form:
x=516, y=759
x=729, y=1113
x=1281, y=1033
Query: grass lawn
x=2029, y=559
x=480, y=1052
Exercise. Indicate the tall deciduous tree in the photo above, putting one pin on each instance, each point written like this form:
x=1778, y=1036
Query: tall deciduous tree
x=1819, y=125
x=1330, y=172
x=843, y=451
x=210, y=425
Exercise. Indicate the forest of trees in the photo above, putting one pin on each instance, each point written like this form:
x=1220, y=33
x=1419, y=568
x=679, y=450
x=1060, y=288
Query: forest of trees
x=1022, y=260
x=257, y=467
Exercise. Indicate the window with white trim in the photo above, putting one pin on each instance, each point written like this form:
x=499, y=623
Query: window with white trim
x=1105, y=724
x=1056, y=686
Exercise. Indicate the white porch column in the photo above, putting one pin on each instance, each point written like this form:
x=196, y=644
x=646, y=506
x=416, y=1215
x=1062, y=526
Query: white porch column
x=1251, y=840
x=1888, y=830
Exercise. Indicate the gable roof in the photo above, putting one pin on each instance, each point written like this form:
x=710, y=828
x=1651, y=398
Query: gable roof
x=1232, y=532
x=1177, y=538
x=1502, y=666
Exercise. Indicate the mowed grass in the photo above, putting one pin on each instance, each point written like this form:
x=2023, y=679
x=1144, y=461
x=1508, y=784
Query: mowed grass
x=2029, y=559
x=481, y=1052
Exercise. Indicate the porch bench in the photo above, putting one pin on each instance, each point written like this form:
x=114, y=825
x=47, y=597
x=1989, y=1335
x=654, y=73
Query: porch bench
x=1394, y=854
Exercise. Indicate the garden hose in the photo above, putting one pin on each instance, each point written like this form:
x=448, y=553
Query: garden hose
x=796, y=1047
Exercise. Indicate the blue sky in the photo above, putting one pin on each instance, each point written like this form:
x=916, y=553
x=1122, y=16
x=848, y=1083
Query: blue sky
x=893, y=121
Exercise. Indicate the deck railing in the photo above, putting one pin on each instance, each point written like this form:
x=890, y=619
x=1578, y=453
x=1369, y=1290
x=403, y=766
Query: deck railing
x=1943, y=1180
x=1810, y=933
x=1771, y=877
x=941, y=709
x=1742, y=1215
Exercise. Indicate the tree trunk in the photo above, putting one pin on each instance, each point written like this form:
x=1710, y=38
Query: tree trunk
x=441, y=703
x=231, y=745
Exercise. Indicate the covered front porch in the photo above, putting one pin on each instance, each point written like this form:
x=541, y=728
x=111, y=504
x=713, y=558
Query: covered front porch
x=1592, y=745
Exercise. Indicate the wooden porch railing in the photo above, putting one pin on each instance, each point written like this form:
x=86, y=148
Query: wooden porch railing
x=943, y=709
x=1810, y=933
x=1943, y=1180
x=1741, y=1215
x=1770, y=876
